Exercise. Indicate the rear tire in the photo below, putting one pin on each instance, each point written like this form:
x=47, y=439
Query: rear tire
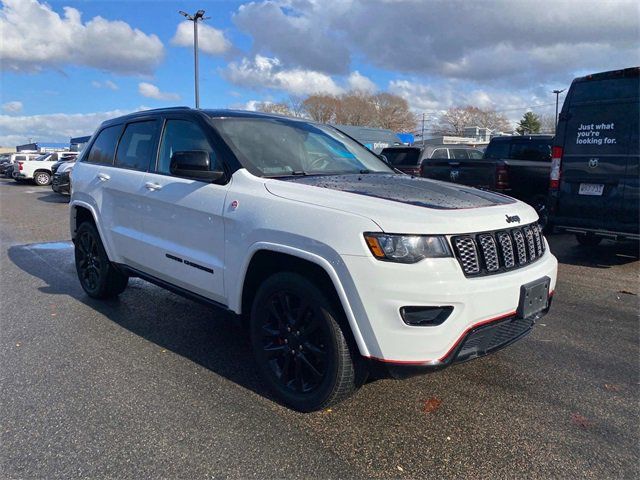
x=42, y=179
x=98, y=277
x=300, y=349
x=588, y=240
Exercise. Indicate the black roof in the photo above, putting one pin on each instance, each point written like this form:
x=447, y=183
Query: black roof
x=213, y=113
x=506, y=138
x=625, y=72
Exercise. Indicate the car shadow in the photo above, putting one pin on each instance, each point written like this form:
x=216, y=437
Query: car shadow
x=205, y=335
x=606, y=255
x=54, y=198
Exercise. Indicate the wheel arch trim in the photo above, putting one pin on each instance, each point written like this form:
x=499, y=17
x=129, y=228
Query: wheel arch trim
x=75, y=204
x=235, y=303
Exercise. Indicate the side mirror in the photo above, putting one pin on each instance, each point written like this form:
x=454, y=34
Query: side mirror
x=193, y=164
x=384, y=159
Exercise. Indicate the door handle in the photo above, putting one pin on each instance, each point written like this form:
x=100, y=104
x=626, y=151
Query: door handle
x=103, y=177
x=152, y=186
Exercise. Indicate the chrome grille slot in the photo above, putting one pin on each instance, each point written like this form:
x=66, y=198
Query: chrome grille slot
x=518, y=237
x=531, y=246
x=467, y=255
x=488, y=253
x=506, y=249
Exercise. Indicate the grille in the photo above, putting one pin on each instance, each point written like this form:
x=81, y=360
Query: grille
x=492, y=337
x=493, y=252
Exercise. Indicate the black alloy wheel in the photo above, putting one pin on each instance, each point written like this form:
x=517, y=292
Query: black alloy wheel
x=98, y=277
x=299, y=346
x=294, y=342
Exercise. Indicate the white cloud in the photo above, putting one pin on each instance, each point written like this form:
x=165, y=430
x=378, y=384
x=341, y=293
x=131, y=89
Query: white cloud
x=149, y=90
x=359, y=82
x=210, y=40
x=55, y=127
x=528, y=41
x=106, y=84
x=35, y=37
x=12, y=107
x=268, y=73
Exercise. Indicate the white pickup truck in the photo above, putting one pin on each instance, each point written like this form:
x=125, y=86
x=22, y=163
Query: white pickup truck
x=39, y=169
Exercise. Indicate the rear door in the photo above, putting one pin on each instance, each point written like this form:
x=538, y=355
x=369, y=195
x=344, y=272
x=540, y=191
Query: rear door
x=599, y=163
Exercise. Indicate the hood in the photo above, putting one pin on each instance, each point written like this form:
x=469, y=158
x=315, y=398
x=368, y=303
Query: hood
x=404, y=204
x=417, y=191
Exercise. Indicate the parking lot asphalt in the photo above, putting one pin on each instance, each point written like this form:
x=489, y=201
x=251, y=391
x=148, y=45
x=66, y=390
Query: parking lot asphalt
x=155, y=386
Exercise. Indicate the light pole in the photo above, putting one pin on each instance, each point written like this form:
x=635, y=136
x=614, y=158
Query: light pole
x=198, y=16
x=557, y=92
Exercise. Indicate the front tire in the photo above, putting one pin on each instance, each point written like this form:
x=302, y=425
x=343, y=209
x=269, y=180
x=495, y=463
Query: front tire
x=301, y=351
x=98, y=277
x=42, y=179
x=588, y=240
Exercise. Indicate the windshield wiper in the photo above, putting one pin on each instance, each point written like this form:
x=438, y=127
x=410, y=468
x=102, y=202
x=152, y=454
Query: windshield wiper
x=364, y=170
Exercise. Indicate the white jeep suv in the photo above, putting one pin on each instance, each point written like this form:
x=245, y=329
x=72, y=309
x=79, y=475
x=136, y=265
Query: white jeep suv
x=340, y=266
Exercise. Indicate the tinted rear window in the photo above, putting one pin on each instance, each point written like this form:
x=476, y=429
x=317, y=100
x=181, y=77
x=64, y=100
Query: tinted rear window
x=535, y=150
x=402, y=156
x=605, y=89
x=497, y=149
x=137, y=145
x=104, y=147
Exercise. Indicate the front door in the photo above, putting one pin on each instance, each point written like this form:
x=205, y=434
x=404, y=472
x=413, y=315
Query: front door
x=183, y=218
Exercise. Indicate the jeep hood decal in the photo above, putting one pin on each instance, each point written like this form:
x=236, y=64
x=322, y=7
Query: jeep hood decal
x=416, y=191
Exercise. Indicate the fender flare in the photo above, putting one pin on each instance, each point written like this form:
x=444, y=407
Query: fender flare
x=310, y=257
x=72, y=223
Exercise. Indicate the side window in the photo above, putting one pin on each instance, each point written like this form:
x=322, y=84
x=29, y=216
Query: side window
x=104, y=148
x=459, y=153
x=440, y=153
x=137, y=146
x=475, y=154
x=20, y=157
x=183, y=136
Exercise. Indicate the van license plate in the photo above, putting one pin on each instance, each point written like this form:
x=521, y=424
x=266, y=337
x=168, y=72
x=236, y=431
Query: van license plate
x=591, y=189
x=534, y=297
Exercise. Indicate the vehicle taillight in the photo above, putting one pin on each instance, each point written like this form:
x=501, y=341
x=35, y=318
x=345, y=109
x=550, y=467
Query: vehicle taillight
x=19, y=165
x=556, y=168
x=502, y=177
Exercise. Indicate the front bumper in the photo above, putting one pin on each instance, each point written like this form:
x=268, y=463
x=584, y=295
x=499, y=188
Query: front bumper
x=61, y=183
x=477, y=342
x=383, y=288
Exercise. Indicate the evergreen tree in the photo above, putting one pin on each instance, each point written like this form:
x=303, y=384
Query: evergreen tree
x=530, y=123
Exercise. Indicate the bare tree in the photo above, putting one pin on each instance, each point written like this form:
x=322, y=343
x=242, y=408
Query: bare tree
x=279, y=108
x=392, y=112
x=382, y=110
x=548, y=124
x=321, y=108
x=455, y=119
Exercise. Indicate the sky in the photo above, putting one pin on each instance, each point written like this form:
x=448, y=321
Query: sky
x=68, y=65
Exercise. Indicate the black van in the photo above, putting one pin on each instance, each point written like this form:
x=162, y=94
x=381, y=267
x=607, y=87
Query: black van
x=594, y=188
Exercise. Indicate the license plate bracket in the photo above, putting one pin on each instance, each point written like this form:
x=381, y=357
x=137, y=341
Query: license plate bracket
x=534, y=297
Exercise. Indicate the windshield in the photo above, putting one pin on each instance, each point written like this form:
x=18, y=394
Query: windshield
x=272, y=147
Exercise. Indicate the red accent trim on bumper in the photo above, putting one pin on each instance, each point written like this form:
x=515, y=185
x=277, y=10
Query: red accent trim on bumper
x=424, y=362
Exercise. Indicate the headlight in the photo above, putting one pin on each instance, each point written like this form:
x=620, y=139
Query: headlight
x=406, y=248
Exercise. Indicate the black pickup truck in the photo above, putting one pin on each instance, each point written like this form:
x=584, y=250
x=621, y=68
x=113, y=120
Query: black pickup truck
x=517, y=166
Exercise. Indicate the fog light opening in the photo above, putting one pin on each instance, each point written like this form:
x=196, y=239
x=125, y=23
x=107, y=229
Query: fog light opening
x=425, y=316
